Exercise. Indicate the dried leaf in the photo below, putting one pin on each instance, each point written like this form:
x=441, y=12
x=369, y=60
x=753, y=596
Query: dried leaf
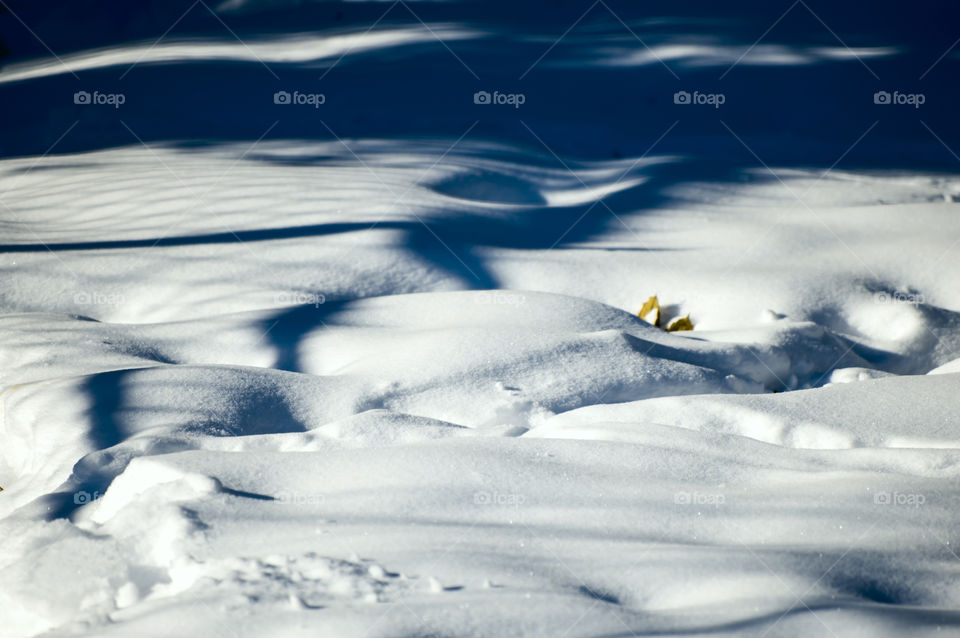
x=650, y=311
x=680, y=323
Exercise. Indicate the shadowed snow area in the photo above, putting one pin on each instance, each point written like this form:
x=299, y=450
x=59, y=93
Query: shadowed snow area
x=372, y=366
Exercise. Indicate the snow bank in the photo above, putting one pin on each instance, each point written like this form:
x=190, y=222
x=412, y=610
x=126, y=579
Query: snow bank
x=367, y=374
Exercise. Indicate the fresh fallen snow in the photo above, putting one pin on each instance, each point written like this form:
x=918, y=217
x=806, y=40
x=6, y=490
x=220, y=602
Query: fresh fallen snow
x=375, y=369
x=326, y=433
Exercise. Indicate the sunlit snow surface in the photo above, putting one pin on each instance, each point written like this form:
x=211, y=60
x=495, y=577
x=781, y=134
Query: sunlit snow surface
x=387, y=387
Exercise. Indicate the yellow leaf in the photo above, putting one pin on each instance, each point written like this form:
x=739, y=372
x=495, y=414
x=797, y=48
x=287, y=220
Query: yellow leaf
x=680, y=323
x=650, y=311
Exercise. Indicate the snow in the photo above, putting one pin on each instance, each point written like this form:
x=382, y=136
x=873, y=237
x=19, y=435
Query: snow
x=369, y=375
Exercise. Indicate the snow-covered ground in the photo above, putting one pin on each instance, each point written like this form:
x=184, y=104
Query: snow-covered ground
x=373, y=366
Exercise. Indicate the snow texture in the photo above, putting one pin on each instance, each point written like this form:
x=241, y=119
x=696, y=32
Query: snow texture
x=372, y=365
